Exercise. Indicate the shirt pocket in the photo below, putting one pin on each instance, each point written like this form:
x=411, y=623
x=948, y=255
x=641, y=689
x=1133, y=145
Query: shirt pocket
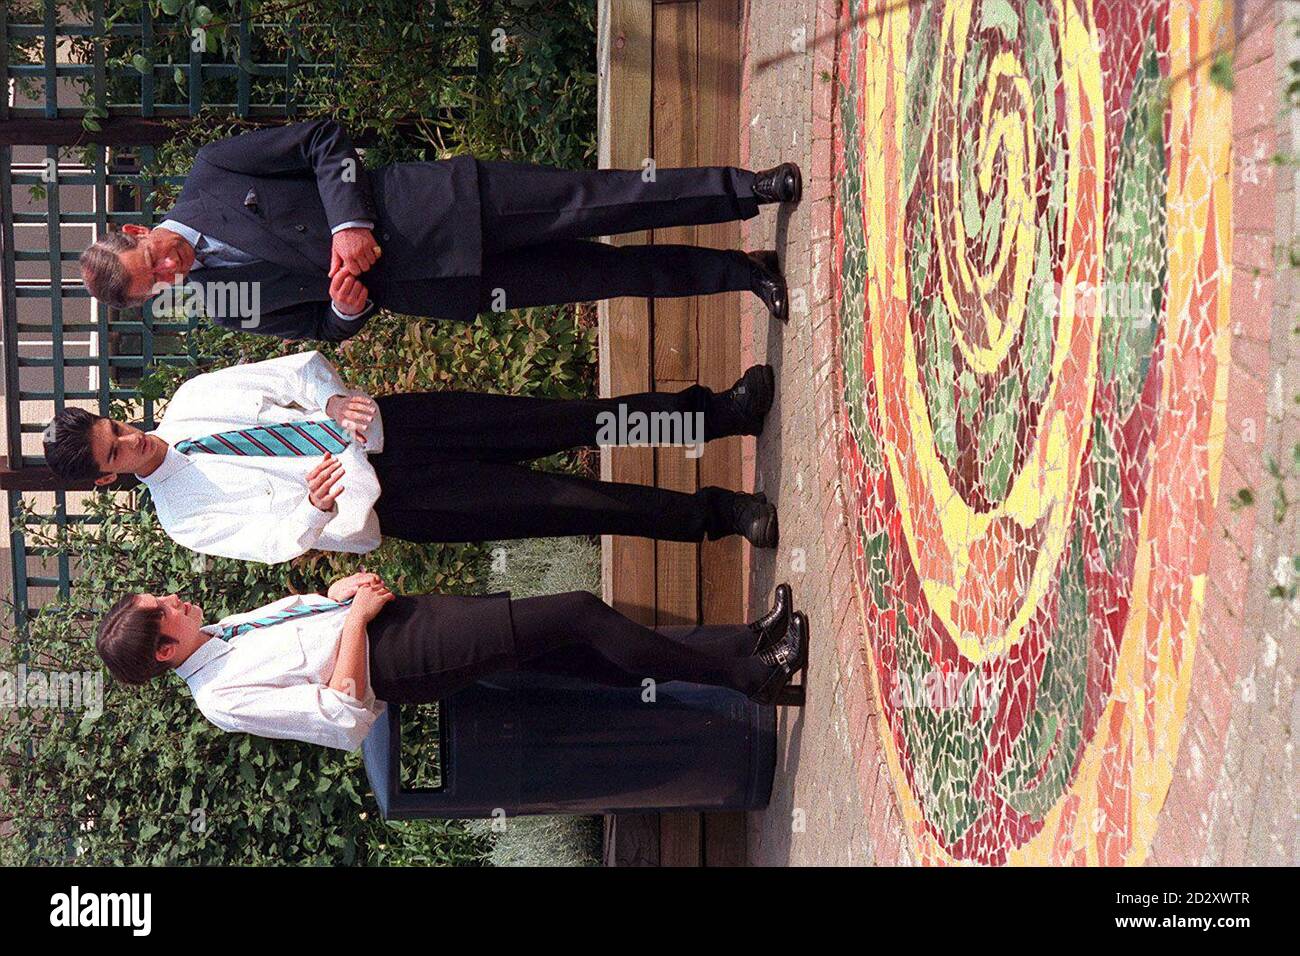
x=286, y=650
x=257, y=495
x=279, y=657
x=318, y=646
x=283, y=494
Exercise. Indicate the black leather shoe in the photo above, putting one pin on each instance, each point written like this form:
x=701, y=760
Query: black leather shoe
x=754, y=519
x=787, y=658
x=782, y=183
x=740, y=410
x=771, y=627
x=769, y=284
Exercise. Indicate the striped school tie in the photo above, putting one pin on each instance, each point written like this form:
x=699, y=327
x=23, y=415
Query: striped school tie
x=279, y=617
x=299, y=439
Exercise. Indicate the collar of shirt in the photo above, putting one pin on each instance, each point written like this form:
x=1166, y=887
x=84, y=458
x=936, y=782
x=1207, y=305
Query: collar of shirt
x=207, y=652
x=215, y=647
x=192, y=236
x=172, y=463
x=286, y=603
x=209, y=251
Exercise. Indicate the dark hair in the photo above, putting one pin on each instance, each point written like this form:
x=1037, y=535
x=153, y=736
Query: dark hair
x=67, y=445
x=128, y=641
x=104, y=274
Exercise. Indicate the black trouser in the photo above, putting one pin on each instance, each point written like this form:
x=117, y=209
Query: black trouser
x=574, y=633
x=451, y=469
x=537, y=220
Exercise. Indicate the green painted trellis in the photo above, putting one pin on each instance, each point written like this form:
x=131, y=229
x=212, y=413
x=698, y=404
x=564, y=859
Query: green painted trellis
x=127, y=111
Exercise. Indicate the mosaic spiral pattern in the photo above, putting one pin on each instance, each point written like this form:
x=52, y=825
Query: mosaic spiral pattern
x=1033, y=221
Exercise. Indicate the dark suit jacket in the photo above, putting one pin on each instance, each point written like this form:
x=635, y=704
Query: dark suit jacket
x=277, y=193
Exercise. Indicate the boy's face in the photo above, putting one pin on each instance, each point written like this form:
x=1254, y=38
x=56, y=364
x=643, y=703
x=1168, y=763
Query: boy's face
x=181, y=621
x=119, y=448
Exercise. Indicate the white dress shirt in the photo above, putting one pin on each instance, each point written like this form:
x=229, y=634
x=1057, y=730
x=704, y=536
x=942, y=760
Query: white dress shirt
x=255, y=507
x=273, y=681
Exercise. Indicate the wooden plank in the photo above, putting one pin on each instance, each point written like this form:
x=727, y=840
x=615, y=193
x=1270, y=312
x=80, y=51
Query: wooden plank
x=631, y=839
x=677, y=563
x=722, y=563
x=676, y=344
x=724, y=839
x=722, y=566
x=679, y=106
x=626, y=323
x=676, y=82
x=626, y=53
x=680, y=839
x=633, y=560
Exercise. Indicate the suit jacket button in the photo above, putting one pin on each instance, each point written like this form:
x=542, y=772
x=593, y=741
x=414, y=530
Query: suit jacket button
x=300, y=227
x=385, y=237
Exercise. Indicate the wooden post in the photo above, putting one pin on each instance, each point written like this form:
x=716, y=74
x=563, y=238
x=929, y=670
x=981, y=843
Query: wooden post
x=670, y=92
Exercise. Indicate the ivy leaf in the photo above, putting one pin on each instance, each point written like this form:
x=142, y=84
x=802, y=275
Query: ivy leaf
x=1221, y=72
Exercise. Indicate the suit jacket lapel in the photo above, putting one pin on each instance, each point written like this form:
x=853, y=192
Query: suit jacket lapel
x=243, y=229
x=279, y=288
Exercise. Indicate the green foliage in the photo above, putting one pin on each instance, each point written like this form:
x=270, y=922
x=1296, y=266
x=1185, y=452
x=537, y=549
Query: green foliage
x=540, y=91
x=148, y=781
x=542, y=840
x=1221, y=72
x=512, y=79
x=25, y=49
x=537, y=566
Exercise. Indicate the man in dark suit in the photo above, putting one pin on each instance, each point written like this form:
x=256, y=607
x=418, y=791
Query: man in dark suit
x=291, y=213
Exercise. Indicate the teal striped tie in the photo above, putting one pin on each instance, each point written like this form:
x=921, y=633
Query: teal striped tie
x=299, y=439
x=279, y=617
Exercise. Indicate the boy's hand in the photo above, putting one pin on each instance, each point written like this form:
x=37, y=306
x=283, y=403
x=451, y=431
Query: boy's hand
x=369, y=601
x=354, y=413
x=321, y=490
x=344, y=588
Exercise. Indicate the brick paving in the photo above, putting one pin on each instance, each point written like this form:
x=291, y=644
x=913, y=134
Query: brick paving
x=832, y=802
x=1232, y=798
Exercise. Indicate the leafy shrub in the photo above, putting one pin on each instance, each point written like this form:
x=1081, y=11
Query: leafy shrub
x=149, y=781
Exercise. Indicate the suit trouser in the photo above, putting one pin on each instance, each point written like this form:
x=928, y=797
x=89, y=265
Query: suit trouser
x=538, y=223
x=452, y=469
x=574, y=633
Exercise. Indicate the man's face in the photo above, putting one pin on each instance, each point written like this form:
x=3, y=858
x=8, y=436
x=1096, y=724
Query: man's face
x=180, y=625
x=161, y=256
x=123, y=449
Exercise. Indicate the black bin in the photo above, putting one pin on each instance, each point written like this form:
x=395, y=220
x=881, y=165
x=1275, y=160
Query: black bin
x=524, y=743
